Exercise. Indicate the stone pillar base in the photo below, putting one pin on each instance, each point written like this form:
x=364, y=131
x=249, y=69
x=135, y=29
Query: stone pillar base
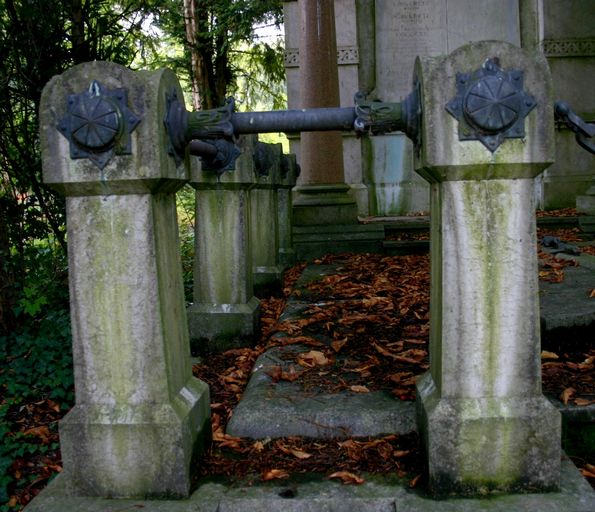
x=286, y=256
x=586, y=204
x=314, y=241
x=324, y=204
x=520, y=434
x=268, y=280
x=218, y=327
x=104, y=446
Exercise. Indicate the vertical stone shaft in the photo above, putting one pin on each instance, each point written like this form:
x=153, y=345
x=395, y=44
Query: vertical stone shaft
x=139, y=415
x=225, y=310
x=289, y=172
x=485, y=424
x=321, y=152
x=264, y=225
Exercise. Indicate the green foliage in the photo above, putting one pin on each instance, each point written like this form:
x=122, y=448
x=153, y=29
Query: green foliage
x=186, y=213
x=218, y=39
x=37, y=355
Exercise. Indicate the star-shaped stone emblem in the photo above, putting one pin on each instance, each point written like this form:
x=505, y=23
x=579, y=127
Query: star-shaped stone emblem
x=98, y=124
x=490, y=105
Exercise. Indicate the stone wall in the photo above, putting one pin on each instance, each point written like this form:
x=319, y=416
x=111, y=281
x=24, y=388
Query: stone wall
x=378, y=41
x=568, y=40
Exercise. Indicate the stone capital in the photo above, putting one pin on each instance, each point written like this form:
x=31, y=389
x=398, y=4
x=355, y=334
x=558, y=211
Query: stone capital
x=147, y=168
x=443, y=157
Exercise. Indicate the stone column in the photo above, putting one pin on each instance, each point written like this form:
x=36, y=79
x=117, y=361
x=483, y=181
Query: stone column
x=289, y=174
x=139, y=415
x=586, y=204
x=225, y=311
x=264, y=222
x=485, y=424
x=322, y=196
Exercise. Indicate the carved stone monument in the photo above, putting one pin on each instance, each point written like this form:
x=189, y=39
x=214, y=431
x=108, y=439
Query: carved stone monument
x=139, y=415
x=487, y=131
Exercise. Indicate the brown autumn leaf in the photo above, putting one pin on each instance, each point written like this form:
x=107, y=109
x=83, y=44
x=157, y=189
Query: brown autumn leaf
x=414, y=481
x=385, y=450
x=354, y=449
x=275, y=474
x=303, y=340
x=549, y=355
x=567, y=395
x=292, y=374
x=299, y=454
x=348, y=478
x=338, y=344
x=401, y=453
x=582, y=402
x=275, y=373
x=42, y=432
x=359, y=389
x=586, y=473
x=592, y=294
x=312, y=358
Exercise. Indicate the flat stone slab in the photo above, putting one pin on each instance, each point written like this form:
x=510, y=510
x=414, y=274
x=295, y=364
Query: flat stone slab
x=567, y=304
x=279, y=409
x=377, y=494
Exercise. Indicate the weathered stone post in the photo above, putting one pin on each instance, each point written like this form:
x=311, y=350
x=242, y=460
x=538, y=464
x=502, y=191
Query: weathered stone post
x=139, y=415
x=225, y=310
x=289, y=174
x=264, y=222
x=486, y=425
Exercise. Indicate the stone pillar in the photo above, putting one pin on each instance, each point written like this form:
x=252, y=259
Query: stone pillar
x=264, y=221
x=322, y=196
x=139, y=414
x=586, y=204
x=484, y=422
x=225, y=311
x=289, y=174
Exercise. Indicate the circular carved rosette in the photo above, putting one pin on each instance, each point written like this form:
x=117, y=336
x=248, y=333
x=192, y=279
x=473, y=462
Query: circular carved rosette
x=492, y=104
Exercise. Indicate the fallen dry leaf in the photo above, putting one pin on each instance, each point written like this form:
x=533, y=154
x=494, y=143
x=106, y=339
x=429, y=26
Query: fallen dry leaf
x=582, y=402
x=567, y=395
x=347, y=478
x=549, y=355
x=359, y=389
x=312, y=358
x=42, y=432
x=299, y=454
x=413, y=482
x=338, y=344
x=275, y=474
x=592, y=294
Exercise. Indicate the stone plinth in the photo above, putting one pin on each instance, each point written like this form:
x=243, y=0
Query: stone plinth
x=485, y=424
x=586, y=204
x=264, y=220
x=225, y=311
x=289, y=174
x=139, y=415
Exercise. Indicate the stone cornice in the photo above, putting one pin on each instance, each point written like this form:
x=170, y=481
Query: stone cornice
x=346, y=56
x=569, y=47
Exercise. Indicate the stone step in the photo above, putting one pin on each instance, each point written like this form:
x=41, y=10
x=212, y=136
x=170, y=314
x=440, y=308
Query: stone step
x=316, y=493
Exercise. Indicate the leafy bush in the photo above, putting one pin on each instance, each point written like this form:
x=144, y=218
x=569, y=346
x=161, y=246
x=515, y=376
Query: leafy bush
x=38, y=362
